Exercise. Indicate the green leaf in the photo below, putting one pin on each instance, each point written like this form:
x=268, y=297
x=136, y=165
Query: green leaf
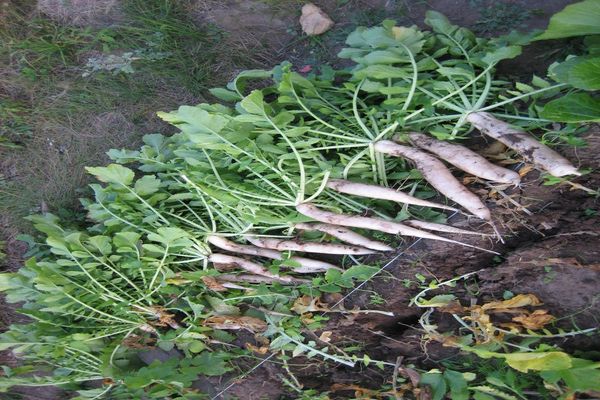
x=500, y=54
x=5, y=281
x=196, y=346
x=126, y=239
x=574, y=107
x=225, y=95
x=220, y=307
x=436, y=382
x=210, y=363
x=583, y=376
x=577, y=19
x=102, y=243
x=580, y=72
x=147, y=185
x=254, y=103
x=113, y=173
x=197, y=122
x=496, y=393
x=545, y=361
x=438, y=22
x=382, y=72
x=458, y=385
x=592, y=44
x=437, y=301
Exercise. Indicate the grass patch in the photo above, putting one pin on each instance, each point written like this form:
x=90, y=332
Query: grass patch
x=500, y=17
x=56, y=120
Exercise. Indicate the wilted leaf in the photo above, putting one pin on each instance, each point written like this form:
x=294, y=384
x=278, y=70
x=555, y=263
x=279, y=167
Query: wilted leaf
x=520, y=300
x=213, y=284
x=258, y=350
x=306, y=304
x=230, y=322
x=325, y=336
x=535, y=320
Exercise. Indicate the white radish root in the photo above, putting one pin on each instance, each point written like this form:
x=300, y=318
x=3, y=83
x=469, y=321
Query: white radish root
x=376, y=224
x=380, y=192
x=345, y=234
x=438, y=175
x=465, y=159
x=307, y=247
x=229, y=245
x=432, y=226
x=526, y=145
x=307, y=265
x=246, y=265
x=245, y=278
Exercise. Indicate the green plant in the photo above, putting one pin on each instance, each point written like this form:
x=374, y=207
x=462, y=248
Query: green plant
x=580, y=72
x=521, y=358
x=144, y=269
x=498, y=17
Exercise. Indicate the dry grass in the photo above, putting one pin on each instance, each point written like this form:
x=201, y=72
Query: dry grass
x=94, y=13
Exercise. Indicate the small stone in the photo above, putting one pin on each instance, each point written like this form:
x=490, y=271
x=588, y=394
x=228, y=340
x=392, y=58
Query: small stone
x=314, y=21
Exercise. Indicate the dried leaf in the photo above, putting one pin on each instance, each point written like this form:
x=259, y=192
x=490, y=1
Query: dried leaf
x=258, y=350
x=359, y=392
x=230, y=322
x=164, y=318
x=535, y=320
x=314, y=21
x=325, y=336
x=307, y=304
x=138, y=342
x=526, y=169
x=454, y=307
x=213, y=284
x=520, y=300
x=411, y=374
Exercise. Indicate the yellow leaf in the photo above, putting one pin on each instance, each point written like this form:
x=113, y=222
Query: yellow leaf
x=520, y=300
x=547, y=361
x=326, y=336
x=234, y=322
x=535, y=320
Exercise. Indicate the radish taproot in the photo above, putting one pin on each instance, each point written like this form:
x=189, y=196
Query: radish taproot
x=432, y=226
x=307, y=247
x=246, y=278
x=380, y=192
x=307, y=265
x=376, y=224
x=465, y=159
x=523, y=143
x=225, y=244
x=345, y=235
x=438, y=175
x=246, y=265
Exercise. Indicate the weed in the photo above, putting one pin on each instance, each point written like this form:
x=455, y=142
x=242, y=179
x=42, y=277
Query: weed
x=549, y=274
x=376, y=299
x=500, y=17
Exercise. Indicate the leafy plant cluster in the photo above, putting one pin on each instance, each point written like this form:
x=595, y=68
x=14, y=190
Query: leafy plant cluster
x=144, y=274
